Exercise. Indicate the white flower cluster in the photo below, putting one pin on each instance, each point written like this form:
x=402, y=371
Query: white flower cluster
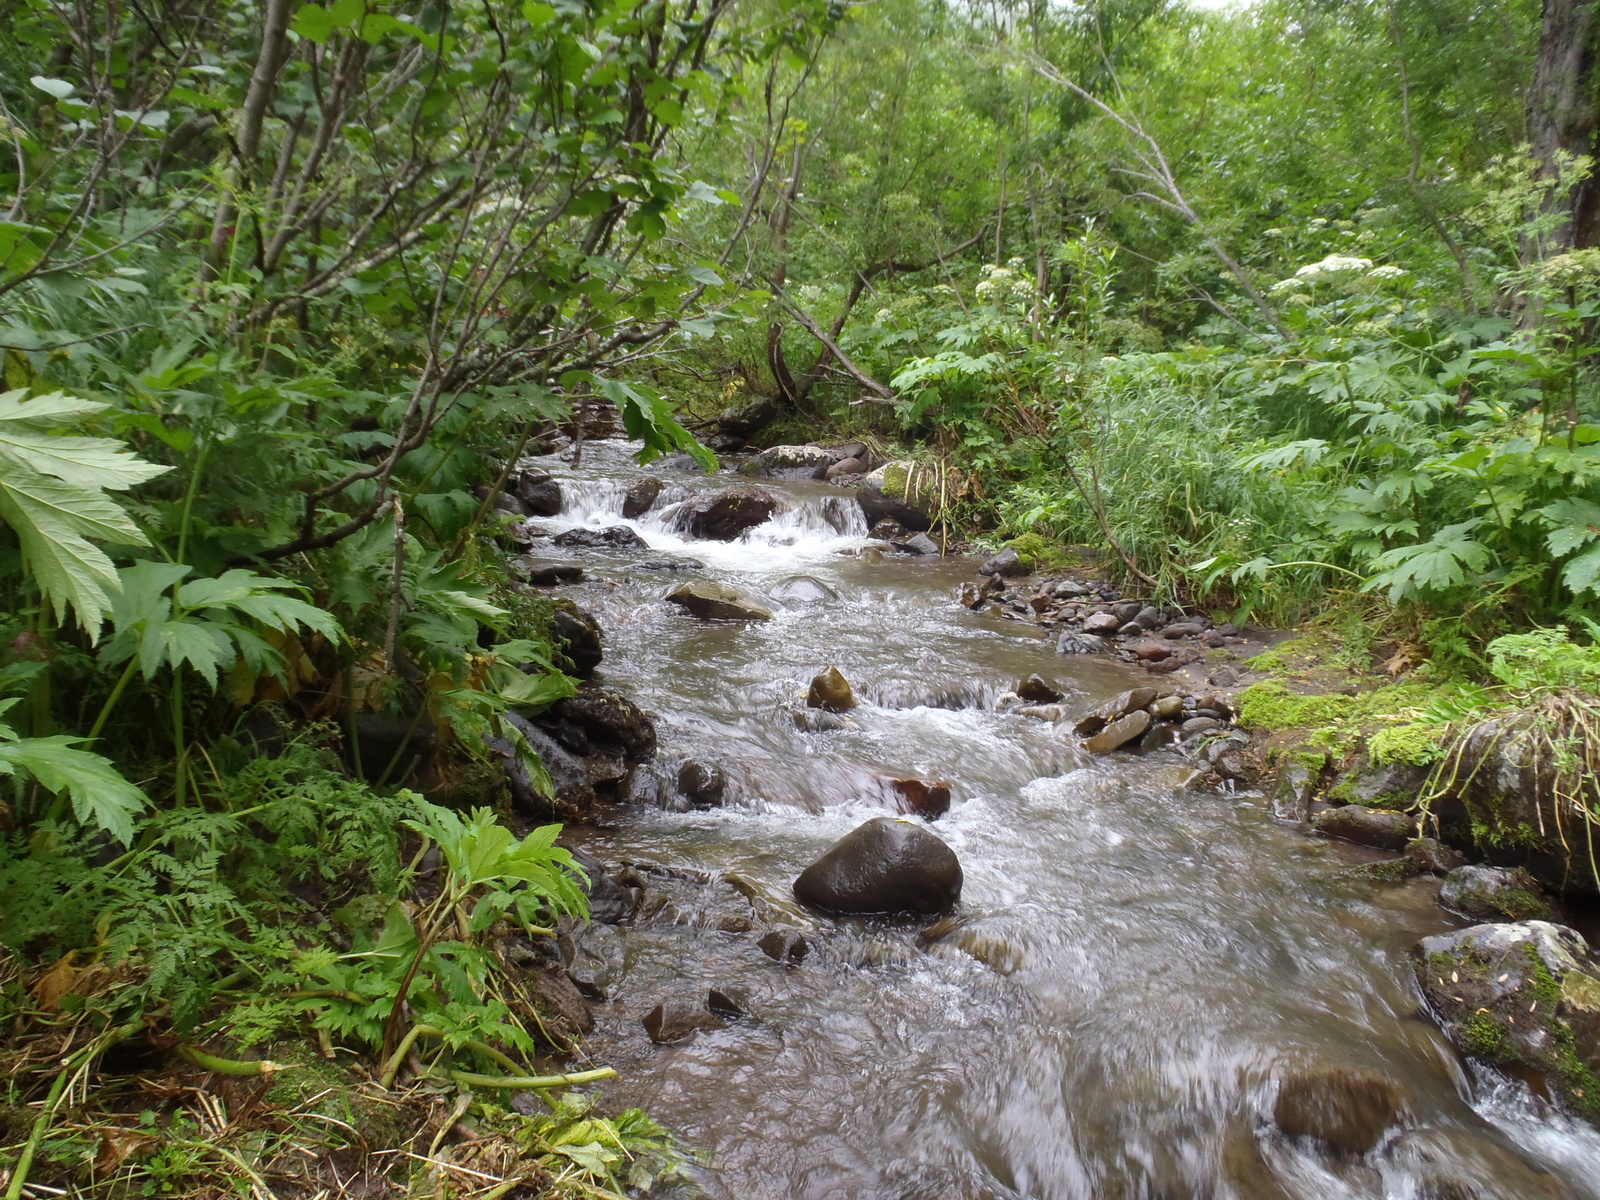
x=1007, y=284
x=1338, y=267
x=1576, y=266
x=1387, y=272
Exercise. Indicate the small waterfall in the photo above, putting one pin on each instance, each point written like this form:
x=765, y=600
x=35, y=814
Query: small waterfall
x=585, y=500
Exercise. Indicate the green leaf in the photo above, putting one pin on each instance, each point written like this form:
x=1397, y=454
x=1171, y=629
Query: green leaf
x=100, y=796
x=704, y=275
x=59, y=88
x=1582, y=574
x=1572, y=523
x=1435, y=565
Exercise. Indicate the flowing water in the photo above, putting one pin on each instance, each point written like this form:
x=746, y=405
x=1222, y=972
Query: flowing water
x=1136, y=963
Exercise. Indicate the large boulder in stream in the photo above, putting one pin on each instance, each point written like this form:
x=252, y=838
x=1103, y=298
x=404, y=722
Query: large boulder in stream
x=898, y=491
x=789, y=462
x=540, y=492
x=884, y=866
x=614, y=537
x=611, y=724
x=711, y=601
x=640, y=496
x=1376, y=827
x=722, y=515
x=576, y=635
x=831, y=690
x=1520, y=995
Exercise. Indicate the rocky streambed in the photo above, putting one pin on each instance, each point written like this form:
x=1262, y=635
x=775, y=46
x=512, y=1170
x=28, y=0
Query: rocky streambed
x=1117, y=970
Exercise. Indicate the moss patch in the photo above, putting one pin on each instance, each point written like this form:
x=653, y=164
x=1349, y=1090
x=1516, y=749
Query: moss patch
x=1037, y=551
x=1414, y=743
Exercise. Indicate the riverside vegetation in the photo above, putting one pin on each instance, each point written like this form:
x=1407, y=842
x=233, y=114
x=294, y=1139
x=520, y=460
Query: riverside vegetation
x=1279, y=314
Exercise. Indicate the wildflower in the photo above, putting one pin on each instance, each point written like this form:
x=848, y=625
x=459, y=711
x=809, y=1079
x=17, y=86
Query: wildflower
x=1332, y=266
x=1387, y=271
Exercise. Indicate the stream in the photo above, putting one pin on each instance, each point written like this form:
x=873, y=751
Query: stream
x=1135, y=963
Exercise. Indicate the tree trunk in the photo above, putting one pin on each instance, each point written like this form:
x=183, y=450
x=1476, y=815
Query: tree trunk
x=1564, y=115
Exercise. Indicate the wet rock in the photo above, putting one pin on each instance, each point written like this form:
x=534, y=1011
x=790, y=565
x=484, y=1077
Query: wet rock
x=845, y=466
x=920, y=544
x=744, y=420
x=576, y=634
x=1126, y=611
x=819, y=720
x=574, y=789
x=1376, y=827
x=1520, y=995
x=615, y=726
x=548, y=574
x=564, y=1012
x=641, y=495
x=1395, y=785
x=884, y=866
x=784, y=945
x=674, y=1020
x=711, y=601
x=1120, y=705
x=509, y=505
x=647, y=783
x=892, y=491
x=1200, y=725
x=1080, y=643
x=724, y=514
x=976, y=595
x=830, y=690
x=1035, y=689
x=668, y=564
x=616, y=537
x=1434, y=856
x=803, y=589
x=1291, y=800
x=789, y=462
x=1166, y=708
x=539, y=492
x=1493, y=894
x=887, y=530
x=1345, y=1109
x=1005, y=565
x=1388, y=870
x=1101, y=623
x=723, y=1005
x=1183, y=629
x=1120, y=732
x=921, y=798
x=1147, y=617
x=610, y=902
x=702, y=783
x=1151, y=651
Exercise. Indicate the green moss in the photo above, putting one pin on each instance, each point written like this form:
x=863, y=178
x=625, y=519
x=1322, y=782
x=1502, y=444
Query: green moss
x=1483, y=1036
x=1413, y=743
x=1294, y=654
x=1037, y=551
x=1270, y=705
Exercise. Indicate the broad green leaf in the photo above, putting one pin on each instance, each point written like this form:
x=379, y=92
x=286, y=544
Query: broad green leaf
x=53, y=521
x=59, y=88
x=1582, y=574
x=100, y=796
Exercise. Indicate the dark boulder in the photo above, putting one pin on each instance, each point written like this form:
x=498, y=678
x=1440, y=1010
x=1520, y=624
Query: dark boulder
x=640, y=496
x=702, y=783
x=674, y=1020
x=547, y=574
x=504, y=503
x=918, y=543
x=615, y=726
x=540, y=493
x=1377, y=827
x=877, y=505
x=789, y=462
x=724, y=514
x=576, y=634
x=716, y=602
x=574, y=789
x=744, y=420
x=1035, y=689
x=1006, y=564
x=884, y=866
x=784, y=945
x=1434, y=856
x=616, y=537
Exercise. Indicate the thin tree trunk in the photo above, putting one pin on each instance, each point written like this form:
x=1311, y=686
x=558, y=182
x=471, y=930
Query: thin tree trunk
x=1563, y=113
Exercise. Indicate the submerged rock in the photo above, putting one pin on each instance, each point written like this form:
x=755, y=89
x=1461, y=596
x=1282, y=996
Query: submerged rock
x=921, y=797
x=1493, y=894
x=724, y=514
x=884, y=866
x=830, y=690
x=803, y=589
x=1368, y=826
x=1525, y=994
x=784, y=945
x=712, y=601
x=674, y=1020
x=1346, y=1110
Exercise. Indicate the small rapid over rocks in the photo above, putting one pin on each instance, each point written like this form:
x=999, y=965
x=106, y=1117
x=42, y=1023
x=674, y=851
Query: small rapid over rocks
x=1144, y=991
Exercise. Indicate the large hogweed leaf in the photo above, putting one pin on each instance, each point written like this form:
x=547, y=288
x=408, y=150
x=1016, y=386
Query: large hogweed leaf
x=52, y=494
x=100, y=796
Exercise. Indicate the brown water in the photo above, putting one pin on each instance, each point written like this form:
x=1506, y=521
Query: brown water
x=1136, y=963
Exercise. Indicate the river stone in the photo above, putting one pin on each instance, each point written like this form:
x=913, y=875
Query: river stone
x=1080, y=643
x=803, y=589
x=1166, y=708
x=789, y=462
x=711, y=601
x=754, y=415
x=1101, y=623
x=724, y=514
x=1525, y=994
x=577, y=637
x=1004, y=565
x=1126, y=611
x=831, y=690
x=820, y=720
x=614, y=724
x=1118, y=733
x=674, y=1020
x=884, y=866
x=1345, y=1109
x=1148, y=650
x=1183, y=629
x=540, y=493
x=547, y=574
x=1147, y=617
x=574, y=790
x=1435, y=856
x=1036, y=689
x=616, y=537
x=898, y=490
x=641, y=495
x=1376, y=827
x=702, y=783
x=919, y=543
x=1120, y=705
x=921, y=798
x=1199, y=725
x=503, y=503
x=784, y=945
x=846, y=466
x=1493, y=894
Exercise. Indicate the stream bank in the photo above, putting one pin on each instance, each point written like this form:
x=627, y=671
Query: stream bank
x=1148, y=984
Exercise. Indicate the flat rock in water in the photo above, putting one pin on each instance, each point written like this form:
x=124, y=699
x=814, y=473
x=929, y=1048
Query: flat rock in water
x=1120, y=732
x=920, y=544
x=1493, y=894
x=617, y=537
x=1345, y=1109
x=726, y=513
x=789, y=462
x=1119, y=705
x=674, y=1020
x=1367, y=826
x=713, y=601
x=830, y=690
x=884, y=866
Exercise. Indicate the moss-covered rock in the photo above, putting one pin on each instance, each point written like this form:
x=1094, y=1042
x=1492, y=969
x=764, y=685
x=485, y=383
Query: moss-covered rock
x=1494, y=894
x=1524, y=994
